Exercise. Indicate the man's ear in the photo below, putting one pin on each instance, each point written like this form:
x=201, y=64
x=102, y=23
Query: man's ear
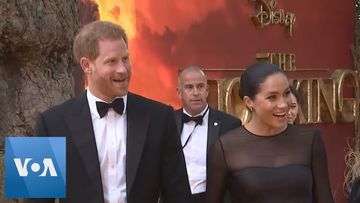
x=85, y=64
x=178, y=91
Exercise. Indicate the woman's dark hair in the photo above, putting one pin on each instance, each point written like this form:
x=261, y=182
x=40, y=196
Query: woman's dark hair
x=295, y=93
x=254, y=76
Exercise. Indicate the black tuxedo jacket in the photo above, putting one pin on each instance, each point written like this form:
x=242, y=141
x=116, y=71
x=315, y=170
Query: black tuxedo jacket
x=154, y=160
x=218, y=124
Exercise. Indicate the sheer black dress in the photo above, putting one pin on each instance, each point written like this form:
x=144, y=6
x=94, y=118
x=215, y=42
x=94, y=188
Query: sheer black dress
x=290, y=167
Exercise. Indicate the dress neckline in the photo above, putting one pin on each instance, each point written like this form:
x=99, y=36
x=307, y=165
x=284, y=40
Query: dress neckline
x=267, y=136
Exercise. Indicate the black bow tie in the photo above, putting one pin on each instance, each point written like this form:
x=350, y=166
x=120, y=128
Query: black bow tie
x=186, y=118
x=117, y=105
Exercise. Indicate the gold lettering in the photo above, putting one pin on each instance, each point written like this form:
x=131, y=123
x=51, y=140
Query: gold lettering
x=347, y=106
x=309, y=105
x=285, y=61
x=265, y=15
x=262, y=17
x=330, y=100
x=326, y=109
x=234, y=104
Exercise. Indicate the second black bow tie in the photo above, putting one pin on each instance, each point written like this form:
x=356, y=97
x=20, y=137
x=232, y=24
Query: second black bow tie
x=186, y=118
x=117, y=105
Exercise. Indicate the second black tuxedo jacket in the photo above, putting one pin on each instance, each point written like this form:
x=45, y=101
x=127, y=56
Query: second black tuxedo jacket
x=154, y=160
x=218, y=124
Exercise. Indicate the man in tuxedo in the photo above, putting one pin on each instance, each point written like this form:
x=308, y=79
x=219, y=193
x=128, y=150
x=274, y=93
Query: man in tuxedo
x=199, y=127
x=120, y=147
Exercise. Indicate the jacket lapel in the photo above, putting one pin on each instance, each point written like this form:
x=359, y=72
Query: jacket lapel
x=138, y=117
x=213, y=128
x=178, y=118
x=82, y=135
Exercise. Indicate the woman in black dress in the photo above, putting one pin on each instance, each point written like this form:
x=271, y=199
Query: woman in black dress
x=267, y=160
x=294, y=105
x=352, y=177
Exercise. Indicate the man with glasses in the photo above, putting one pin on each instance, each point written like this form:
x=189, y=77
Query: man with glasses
x=199, y=127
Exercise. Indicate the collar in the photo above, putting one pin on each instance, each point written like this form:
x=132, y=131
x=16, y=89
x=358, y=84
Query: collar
x=92, y=99
x=199, y=114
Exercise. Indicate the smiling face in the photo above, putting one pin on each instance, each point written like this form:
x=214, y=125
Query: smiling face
x=193, y=91
x=109, y=74
x=294, y=109
x=271, y=104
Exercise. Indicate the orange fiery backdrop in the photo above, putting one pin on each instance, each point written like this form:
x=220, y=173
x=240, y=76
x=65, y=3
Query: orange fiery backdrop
x=165, y=35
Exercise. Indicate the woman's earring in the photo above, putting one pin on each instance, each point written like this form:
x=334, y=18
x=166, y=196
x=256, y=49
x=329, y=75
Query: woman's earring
x=251, y=109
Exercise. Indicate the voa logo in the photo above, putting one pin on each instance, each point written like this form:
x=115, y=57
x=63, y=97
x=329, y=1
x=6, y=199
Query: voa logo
x=35, y=167
x=22, y=167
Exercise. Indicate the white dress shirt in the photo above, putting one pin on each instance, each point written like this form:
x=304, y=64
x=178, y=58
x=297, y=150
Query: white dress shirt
x=110, y=136
x=195, y=152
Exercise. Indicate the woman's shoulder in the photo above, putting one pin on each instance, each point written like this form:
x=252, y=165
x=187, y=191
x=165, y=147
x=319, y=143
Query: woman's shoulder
x=303, y=131
x=233, y=134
